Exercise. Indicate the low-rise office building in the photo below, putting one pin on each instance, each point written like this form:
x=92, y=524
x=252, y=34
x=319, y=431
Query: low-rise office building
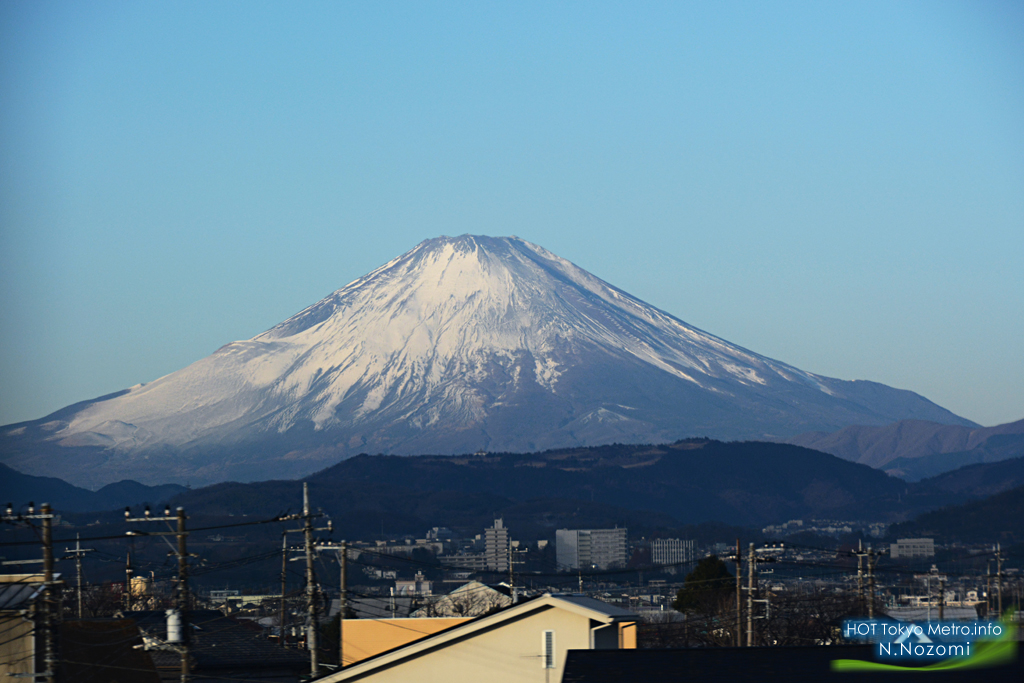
x=912, y=548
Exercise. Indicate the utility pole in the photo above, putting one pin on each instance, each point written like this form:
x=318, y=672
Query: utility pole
x=284, y=588
x=739, y=595
x=872, y=558
x=860, y=576
x=999, y=580
x=46, y=620
x=311, y=601
x=750, y=597
x=988, y=588
x=942, y=598
x=77, y=553
x=343, y=604
x=312, y=607
x=183, y=596
x=342, y=552
x=511, y=570
x=182, y=592
x=128, y=582
x=512, y=562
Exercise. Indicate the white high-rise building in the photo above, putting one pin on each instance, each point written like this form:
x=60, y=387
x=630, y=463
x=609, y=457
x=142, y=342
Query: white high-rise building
x=590, y=548
x=496, y=547
x=672, y=552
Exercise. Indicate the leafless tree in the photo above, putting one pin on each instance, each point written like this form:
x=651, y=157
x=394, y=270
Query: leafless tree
x=472, y=600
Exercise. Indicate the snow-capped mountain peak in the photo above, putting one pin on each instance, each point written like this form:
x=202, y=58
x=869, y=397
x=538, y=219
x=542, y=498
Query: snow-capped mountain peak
x=472, y=342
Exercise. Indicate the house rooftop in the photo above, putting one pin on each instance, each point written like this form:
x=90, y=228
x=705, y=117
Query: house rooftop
x=220, y=642
x=611, y=611
x=587, y=607
x=17, y=591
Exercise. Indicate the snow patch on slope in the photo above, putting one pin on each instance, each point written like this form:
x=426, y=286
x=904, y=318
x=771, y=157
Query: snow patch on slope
x=441, y=332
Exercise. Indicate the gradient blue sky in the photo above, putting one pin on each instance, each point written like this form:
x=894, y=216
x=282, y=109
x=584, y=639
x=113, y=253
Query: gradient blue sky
x=839, y=186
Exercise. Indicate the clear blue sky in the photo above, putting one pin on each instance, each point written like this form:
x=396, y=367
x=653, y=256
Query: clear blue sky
x=839, y=186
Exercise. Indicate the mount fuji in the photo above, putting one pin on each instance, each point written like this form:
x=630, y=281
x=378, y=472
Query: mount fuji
x=461, y=344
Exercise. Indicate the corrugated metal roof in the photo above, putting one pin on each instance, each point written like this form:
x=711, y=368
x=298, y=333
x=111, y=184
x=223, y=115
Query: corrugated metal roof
x=17, y=596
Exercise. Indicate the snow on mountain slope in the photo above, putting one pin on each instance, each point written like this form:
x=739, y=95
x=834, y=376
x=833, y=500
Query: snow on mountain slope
x=464, y=343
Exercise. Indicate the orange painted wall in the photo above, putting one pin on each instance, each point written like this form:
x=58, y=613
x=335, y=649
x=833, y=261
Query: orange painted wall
x=627, y=635
x=368, y=637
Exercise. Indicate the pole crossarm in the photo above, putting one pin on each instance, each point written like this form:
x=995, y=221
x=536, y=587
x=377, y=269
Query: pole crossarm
x=182, y=552
x=76, y=553
x=311, y=586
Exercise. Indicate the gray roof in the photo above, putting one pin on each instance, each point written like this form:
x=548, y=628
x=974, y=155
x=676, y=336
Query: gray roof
x=220, y=642
x=374, y=608
x=17, y=596
x=611, y=611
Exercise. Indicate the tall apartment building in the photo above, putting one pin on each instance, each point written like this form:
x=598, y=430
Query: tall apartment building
x=671, y=551
x=590, y=548
x=496, y=547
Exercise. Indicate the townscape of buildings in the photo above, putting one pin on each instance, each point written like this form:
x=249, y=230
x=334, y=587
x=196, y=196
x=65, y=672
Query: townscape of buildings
x=426, y=597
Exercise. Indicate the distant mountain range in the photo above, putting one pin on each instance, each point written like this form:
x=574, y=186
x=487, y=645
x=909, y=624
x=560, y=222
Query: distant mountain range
x=969, y=482
x=18, y=489
x=916, y=449
x=640, y=486
x=461, y=344
x=996, y=519
x=691, y=481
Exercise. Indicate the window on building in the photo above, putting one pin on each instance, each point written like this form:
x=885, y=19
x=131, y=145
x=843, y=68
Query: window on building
x=549, y=650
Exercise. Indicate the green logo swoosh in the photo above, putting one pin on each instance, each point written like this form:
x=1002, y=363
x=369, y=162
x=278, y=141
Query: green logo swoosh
x=988, y=653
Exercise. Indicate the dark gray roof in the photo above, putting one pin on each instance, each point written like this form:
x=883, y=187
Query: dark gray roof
x=17, y=596
x=221, y=642
x=104, y=650
x=760, y=664
x=612, y=611
x=374, y=608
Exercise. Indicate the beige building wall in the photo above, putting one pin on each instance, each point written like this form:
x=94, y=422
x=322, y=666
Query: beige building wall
x=512, y=653
x=368, y=637
x=17, y=646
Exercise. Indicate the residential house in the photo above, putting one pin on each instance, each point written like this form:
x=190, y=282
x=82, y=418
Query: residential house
x=527, y=641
